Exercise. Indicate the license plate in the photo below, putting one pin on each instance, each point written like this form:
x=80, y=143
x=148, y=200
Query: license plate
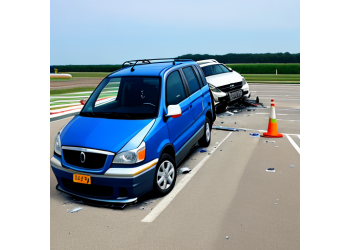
x=235, y=95
x=80, y=178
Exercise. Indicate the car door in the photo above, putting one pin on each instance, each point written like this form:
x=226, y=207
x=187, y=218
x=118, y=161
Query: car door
x=196, y=97
x=180, y=128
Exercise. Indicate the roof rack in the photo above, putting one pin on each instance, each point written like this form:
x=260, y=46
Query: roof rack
x=149, y=61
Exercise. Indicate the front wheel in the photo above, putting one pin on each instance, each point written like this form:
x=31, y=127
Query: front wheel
x=165, y=178
x=205, y=140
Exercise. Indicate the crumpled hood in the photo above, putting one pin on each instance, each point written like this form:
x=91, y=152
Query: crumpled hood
x=100, y=133
x=224, y=79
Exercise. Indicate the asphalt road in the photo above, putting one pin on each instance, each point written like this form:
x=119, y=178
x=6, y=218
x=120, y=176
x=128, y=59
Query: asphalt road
x=227, y=193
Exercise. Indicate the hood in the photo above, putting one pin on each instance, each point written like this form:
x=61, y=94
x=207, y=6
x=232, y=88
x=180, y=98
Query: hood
x=224, y=79
x=100, y=133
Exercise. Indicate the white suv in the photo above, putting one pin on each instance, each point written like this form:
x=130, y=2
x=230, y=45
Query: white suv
x=226, y=85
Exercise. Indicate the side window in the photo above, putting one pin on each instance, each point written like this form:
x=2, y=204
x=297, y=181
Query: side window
x=175, y=91
x=201, y=74
x=191, y=79
x=198, y=76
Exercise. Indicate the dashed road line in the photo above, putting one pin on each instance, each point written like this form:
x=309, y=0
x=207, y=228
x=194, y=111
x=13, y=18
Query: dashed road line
x=168, y=199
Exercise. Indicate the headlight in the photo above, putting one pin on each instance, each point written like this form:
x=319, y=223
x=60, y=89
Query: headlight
x=244, y=81
x=131, y=156
x=213, y=88
x=57, y=146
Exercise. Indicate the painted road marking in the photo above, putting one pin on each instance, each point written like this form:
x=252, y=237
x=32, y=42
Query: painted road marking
x=293, y=143
x=60, y=119
x=167, y=199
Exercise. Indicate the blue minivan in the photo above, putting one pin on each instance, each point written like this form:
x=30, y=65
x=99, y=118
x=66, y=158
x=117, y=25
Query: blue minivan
x=134, y=130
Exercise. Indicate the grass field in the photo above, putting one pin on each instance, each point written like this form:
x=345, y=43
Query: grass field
x=71, y=90
x=254, y=78
x=269, y=78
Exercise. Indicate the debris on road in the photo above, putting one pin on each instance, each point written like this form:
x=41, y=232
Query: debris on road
x=270, y=170
x=76, y=209
x=142, y=208
x=226, y=237
x=203, y=150
x=292, y=166
x=185, y=170
x=254, y=134
x=227, y=128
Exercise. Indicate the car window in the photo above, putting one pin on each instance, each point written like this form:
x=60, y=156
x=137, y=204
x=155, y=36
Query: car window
x=224, y=69
x=201, y=74
x=207, y=71
x=198, y=76
x=217, y=69
x=175, y=91
x=191, y=79
x=214, y=69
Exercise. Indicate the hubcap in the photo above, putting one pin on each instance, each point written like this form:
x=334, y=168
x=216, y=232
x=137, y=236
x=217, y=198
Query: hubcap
x=207, y=132
x=165, y=174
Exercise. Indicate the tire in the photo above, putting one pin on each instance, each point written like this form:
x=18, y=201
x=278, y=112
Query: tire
x=165, y=167
x=205, y=140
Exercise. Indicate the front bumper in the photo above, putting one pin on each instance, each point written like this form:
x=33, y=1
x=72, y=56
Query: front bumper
x=116, y=185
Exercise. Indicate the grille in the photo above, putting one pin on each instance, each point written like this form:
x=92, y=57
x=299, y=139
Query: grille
x=92, y=160
x=92, y=190
x=229, y=87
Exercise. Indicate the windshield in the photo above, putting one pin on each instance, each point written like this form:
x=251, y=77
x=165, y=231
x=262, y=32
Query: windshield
x=214, y=69
x=126, y=97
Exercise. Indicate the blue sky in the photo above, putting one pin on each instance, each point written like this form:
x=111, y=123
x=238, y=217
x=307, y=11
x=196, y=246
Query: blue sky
x=111, y=32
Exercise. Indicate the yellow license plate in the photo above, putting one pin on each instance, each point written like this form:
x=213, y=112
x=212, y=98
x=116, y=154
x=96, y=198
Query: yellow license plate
x=80, y=178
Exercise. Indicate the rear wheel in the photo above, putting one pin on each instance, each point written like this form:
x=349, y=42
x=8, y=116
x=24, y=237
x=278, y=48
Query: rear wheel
x=205, y=140
x=165, y=178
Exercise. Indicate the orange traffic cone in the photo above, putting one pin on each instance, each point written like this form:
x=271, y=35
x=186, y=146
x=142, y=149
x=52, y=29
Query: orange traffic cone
x=272, y=130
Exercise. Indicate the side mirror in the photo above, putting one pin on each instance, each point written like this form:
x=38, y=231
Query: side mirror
x=230, y=69
x=174, y=111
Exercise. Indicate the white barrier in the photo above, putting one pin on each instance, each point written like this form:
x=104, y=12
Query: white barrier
x=60, y=76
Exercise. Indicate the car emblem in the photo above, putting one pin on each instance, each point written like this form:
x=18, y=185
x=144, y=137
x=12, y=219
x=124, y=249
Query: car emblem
x=82, y=157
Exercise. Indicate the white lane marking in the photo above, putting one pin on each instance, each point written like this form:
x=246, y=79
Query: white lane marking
x=269, y=113
x=62, y=119
x=298, y=136
x=167, y=199
x=281, y=95
x=68, y=97
x=293, y=143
